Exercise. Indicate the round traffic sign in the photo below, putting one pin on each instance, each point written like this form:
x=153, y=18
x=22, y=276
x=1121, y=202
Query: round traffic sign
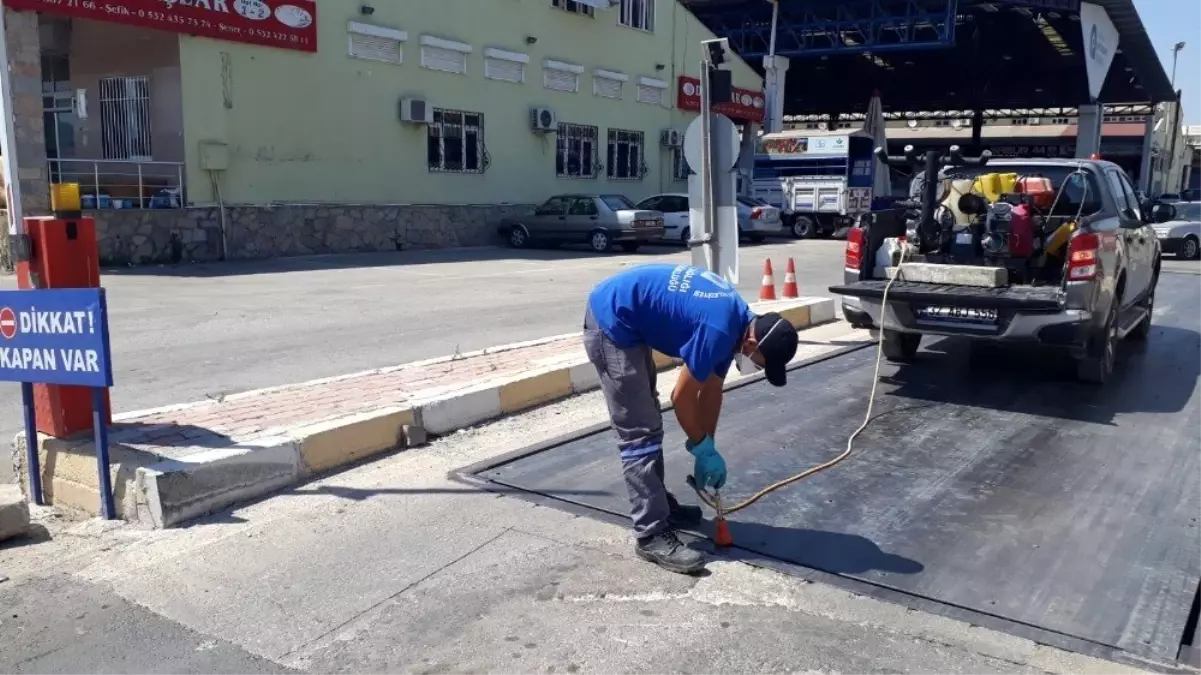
x=725, y=143
x=8, y=323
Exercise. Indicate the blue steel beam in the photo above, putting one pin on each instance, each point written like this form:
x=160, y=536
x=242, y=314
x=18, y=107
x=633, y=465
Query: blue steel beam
x=812, y=28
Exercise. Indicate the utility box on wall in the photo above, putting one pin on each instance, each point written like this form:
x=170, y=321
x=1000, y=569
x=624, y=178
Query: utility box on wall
x=214, y=156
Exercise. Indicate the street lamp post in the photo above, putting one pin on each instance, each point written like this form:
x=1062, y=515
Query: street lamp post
x=1175, y=53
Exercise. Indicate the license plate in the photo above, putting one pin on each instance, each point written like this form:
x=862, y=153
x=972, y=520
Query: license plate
x=957, y=314
x=646, y=223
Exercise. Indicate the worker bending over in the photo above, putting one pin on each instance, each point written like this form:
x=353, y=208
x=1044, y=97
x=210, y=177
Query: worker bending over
x=694, y=315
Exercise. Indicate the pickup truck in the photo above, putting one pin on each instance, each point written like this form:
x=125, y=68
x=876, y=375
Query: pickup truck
x=1098, y=291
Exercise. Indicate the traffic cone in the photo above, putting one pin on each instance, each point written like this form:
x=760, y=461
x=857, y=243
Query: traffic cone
x=721, y=535
x=768, y=290
x=790, y=288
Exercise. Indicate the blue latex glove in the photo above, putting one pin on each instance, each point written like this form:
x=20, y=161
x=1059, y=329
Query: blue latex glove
x=709, y=469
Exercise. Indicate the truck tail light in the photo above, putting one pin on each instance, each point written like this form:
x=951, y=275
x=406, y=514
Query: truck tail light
x=854, y=253
x=1082, y=257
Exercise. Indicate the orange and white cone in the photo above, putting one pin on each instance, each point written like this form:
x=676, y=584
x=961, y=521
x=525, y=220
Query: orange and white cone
x=768, y=290
x=790, y=287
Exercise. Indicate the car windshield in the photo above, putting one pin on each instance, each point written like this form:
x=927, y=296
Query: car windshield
x=1188, y=211
x=617, y=202
x=1076, y=192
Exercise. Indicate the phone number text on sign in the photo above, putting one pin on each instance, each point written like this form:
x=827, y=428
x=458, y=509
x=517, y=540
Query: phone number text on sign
x=287, y=24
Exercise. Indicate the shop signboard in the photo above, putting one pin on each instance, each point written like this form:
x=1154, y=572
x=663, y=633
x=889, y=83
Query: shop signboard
x=748, y=105
x=286, y=24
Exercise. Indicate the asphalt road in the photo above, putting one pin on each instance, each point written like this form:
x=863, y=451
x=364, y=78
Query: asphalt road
x=180, y=334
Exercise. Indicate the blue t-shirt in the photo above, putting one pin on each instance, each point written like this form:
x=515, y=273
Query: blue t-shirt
x=682, y=311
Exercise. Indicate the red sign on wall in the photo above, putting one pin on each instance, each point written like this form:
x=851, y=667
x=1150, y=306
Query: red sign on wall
x=747, y=105
x=287, y=24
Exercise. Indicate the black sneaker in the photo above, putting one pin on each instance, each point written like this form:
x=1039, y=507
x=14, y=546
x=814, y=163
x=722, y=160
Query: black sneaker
x=667, y=551
x=680, y=515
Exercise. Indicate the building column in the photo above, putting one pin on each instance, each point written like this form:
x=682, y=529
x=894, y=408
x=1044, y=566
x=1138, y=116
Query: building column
x=25, y=69
x=1144, y=167
x=775, y=69
x=1088, y=133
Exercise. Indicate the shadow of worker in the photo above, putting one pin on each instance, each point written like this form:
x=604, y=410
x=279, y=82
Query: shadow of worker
x=830, y=552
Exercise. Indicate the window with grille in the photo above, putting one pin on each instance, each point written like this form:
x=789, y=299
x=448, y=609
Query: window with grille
x=606, y=87
x=575, y=151
x=638, y=14
x=652, y=94
x=679, y=164
x=456, y=142
x=443, y=59
x=625, y=155
x=125, y=117
x=573, y=7
x=560, y=80
x=505, y=66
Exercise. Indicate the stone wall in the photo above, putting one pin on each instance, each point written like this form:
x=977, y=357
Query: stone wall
x=139, y=237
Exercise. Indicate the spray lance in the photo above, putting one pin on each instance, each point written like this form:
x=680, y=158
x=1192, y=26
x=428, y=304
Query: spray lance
x=925, y=233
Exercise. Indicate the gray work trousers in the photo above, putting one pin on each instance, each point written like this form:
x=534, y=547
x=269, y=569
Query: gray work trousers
x=627, y=379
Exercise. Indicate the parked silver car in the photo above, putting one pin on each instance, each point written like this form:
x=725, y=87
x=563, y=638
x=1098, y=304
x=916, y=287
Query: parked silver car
x=596, y=220
x=756, y=218
x=1181, y=235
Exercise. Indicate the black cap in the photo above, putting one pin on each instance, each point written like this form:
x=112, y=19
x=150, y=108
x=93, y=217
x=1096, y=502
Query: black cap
x=777, y=340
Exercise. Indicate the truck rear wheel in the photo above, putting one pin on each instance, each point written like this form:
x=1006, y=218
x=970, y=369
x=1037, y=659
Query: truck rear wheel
x=803, y=227
x=900, y=347
x=1097, y=365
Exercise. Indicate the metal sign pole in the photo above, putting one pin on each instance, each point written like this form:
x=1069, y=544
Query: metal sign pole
x=709, y=209
x=8, y=139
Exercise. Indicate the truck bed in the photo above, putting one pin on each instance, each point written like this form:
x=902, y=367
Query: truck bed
x=1032, y=298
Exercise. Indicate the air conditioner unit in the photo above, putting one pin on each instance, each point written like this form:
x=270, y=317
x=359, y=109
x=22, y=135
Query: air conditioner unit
x=543, y=119
x=416, y=111
x=671, y=138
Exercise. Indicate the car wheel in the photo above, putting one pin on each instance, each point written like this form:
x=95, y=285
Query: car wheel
x=900, y=347
x=803, y=227
x=757, y=238
x=518, y=237
x=599, y=241
x=1097, y=365
x=685, y=236
x=1191, y=250
x=629, y=247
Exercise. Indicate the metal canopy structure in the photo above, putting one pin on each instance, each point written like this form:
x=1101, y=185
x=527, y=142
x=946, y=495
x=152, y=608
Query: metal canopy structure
x=937, y=54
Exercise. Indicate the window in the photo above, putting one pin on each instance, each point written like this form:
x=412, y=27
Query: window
x=560, y=76
x=617, y=202
x=575, y=151
x=1123, y=193
x=444, y=55
x=125, y=117
x=505, y=66
x=376, y=43
x=608, y=84
x=456, y=142
x=573, y=7
x=679, y=165
x=638, y=14
x=651, y=91
x=625, y=155
x=583, y=206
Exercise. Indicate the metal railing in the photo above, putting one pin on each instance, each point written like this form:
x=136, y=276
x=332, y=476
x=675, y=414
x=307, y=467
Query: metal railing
x=122, y=184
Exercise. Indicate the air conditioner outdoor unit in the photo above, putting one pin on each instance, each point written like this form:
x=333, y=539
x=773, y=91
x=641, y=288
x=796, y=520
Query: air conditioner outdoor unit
x=416, y=111
x=543, y=119
x=671, y=138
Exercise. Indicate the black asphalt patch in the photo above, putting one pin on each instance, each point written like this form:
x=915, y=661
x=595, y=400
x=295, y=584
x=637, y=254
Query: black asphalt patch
x=992, y=487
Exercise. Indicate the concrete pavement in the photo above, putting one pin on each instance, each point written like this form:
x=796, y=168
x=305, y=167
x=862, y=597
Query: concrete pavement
x=189, y=332
x=390, y=567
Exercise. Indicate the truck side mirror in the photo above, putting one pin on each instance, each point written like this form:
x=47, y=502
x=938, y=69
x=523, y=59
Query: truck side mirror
x=1162, y=213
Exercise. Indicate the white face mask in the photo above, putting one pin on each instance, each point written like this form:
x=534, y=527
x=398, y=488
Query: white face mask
x=745, y=365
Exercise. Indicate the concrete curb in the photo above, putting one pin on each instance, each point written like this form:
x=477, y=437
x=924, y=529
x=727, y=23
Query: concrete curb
x=162, y=493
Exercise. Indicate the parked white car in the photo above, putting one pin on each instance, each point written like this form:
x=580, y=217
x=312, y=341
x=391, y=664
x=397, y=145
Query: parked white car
x=756, y=218
x=1181, y=235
